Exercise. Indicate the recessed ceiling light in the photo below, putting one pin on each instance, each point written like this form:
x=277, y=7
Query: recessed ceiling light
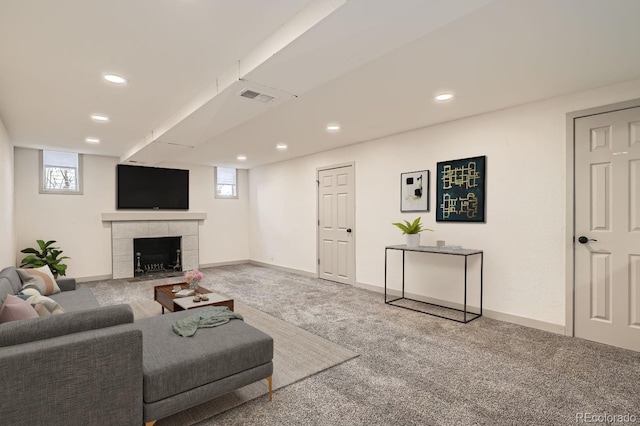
x=281, y=146
x=444, y=96
x=92, y=140
x=241, y=157
x=99, y=117
x=115, y=79
x=333, y=128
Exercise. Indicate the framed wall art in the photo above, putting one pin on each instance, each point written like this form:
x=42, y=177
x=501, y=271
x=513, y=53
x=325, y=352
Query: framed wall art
x=461, y=190
x=414, y=191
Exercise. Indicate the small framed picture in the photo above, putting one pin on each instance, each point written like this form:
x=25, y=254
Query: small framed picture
x=414, y=191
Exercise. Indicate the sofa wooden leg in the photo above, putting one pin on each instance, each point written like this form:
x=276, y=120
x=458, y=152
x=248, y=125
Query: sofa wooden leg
x=270, y=381
x=151, y=423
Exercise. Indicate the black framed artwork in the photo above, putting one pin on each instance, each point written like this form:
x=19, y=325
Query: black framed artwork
x=461, y=190
x=414, y=191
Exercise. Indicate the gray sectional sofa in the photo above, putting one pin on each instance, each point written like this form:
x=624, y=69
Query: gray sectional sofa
x=95, y=365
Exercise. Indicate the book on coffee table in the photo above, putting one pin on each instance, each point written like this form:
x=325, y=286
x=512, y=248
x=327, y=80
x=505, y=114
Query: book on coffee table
x=185, y=292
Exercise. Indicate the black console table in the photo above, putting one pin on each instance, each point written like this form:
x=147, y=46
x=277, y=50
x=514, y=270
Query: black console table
x=441, y=251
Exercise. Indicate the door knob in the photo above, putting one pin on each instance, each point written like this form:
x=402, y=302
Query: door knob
x=585, y=240
x=349, y=230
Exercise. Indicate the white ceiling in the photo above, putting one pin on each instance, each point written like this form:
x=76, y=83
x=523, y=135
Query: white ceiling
x=371, y=65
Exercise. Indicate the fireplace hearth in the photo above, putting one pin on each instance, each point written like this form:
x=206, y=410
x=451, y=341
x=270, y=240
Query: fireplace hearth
x=157, y=255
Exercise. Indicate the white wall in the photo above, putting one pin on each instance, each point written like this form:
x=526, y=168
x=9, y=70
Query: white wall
x=7, y=230
x=524, y=234
x=224, y=236
x=74, y=221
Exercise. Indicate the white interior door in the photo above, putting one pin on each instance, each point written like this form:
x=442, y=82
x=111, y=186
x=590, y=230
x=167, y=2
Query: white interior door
x=607, y=226
x=336, y=233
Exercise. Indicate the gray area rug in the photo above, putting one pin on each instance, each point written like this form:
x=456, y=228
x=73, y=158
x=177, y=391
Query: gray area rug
x=297, y=354
x=415, y=369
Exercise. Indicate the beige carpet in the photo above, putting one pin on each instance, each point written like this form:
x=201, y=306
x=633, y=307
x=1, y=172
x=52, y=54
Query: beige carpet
x=297, y=354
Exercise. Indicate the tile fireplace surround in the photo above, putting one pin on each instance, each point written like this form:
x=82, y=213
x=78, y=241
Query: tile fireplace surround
x=127, y=226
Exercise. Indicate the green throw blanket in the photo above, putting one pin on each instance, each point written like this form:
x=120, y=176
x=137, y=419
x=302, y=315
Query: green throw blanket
x=204, y=318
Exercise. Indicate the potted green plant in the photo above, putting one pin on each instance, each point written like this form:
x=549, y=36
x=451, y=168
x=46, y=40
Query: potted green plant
x=47, y=255
x=412, y=230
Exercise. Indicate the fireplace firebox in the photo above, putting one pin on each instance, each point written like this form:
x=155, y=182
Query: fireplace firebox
x=156, y=255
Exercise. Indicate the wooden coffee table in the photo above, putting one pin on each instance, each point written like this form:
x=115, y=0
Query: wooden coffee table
x=164, y=295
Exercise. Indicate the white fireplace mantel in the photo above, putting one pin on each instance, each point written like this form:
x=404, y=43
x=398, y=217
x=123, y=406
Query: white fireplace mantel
x=152, y=215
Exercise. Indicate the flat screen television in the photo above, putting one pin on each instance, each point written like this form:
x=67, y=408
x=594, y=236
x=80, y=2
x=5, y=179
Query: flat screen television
x=151, y=188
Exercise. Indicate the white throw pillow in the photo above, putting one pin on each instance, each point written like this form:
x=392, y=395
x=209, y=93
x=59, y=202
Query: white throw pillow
x=44, y=305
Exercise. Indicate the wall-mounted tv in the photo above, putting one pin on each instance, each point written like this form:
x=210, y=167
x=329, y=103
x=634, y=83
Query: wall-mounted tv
x=152, y=188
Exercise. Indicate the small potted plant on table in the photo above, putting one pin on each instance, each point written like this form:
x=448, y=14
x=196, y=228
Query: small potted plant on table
x=412, y=231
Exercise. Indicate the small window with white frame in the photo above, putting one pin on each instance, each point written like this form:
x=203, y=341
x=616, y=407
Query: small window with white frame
x=60, y=172
x=226, y=182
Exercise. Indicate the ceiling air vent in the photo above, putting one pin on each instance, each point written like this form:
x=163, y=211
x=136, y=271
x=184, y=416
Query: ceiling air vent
x=256, y=96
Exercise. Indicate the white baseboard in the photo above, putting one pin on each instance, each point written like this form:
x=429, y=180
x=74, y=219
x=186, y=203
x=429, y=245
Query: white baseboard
x=500, y=316
x=94, y=278
x=284, y=268
x=230, y=262
x=527, y=322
